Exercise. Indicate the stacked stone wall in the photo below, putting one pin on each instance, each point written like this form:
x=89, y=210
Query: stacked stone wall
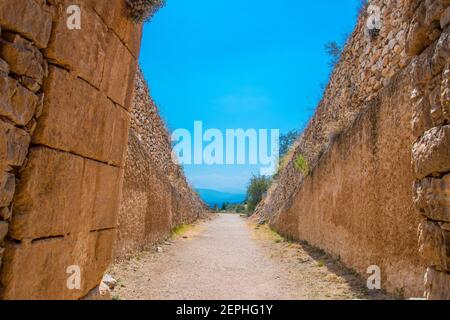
x=65, y=96
x=387, y=93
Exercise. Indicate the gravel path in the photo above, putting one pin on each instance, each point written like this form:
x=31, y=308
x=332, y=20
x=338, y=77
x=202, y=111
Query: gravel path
x=230, y=258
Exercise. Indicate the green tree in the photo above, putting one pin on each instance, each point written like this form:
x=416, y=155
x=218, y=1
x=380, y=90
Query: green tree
x=257, y=187
x=286, y=141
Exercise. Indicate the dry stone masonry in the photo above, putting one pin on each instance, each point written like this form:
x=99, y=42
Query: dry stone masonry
x=65, y=96
x=388, y=93
x=430, y=100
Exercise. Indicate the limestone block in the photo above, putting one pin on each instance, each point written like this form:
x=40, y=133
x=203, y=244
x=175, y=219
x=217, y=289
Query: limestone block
x=5, y=214
x=14, y=144
x=436, y=111
x=119, y=73
x=46, y=262
x=441, y=53
x=3, y=230
x=23, y=58
x=16, y=102
x=29, y=19
x=417, y=38
x=81, y=50
x=4, y=67
x=437, y=285
x=445, y=18
x=7, y=188
x=88, y=124
x=432, y=197
x=116, y=18
x=434, y=245
x=431, y=154
x=421, y=118
x=60, y=193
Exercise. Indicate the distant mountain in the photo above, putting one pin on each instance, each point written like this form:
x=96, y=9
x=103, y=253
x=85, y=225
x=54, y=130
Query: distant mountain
x=212, y=197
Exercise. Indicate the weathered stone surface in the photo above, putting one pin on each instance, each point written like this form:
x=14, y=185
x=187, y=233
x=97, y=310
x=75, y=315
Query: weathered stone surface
x=14, y=144
x=7, y=188
x=82, y=51
x=3, y=230
x=119, y=73
x=432, y=197
x=431, y=154
x=445, y=18
x=434, y=245
x=23, y=58
x=116, y=18
x=90, y=125
x=437, y=285
x=4, y=67
x=445, y=93
x=421, y=118
x=417, y=39
x=60, y=193
x=16, y=103
x=27, y=18
x=5, y=214
x=45, y=263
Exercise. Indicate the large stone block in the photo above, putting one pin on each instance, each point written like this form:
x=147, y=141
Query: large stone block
x=7, y=188
x=437, y=285
x=87, y=124
x=23, y=58
x=28, y=18
x=114, y=13
x=81, y=50
x=39, y=270
x=434, y=245
x=60, y=193
x=14, y=144
x=119, y=73
x=421, y=118
x=431, y=154
x=16, y=102
x=432, y=197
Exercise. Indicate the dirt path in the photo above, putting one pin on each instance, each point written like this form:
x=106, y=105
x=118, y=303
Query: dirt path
x=230, y=258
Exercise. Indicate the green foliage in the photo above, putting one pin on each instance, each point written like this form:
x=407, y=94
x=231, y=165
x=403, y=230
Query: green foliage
x=334, y=50
x=301, y=164
x=257, y=187
x=143, y=10
x=286, y=141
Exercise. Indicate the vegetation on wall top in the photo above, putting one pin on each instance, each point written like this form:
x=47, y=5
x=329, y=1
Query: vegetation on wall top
x=143, y=10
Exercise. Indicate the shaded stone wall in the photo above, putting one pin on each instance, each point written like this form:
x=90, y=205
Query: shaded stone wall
x=156, y=195
x=386, y=94
x=64, y=115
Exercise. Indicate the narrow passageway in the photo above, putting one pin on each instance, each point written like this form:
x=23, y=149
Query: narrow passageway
x=228, y=257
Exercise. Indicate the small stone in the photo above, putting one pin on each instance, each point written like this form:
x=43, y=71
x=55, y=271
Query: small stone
x=159, y=249
x=109, y=281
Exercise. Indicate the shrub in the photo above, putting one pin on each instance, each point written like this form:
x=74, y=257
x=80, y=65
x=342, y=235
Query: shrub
x=301, y=164
x=257, y=187
x=143, y=10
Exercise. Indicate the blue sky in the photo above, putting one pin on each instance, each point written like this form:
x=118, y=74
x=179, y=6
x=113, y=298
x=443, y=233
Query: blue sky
x=240, y=64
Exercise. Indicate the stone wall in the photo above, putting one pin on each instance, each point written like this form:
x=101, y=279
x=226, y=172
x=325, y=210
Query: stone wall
x=156, y=195
x=358, y=145
x=64, y=116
